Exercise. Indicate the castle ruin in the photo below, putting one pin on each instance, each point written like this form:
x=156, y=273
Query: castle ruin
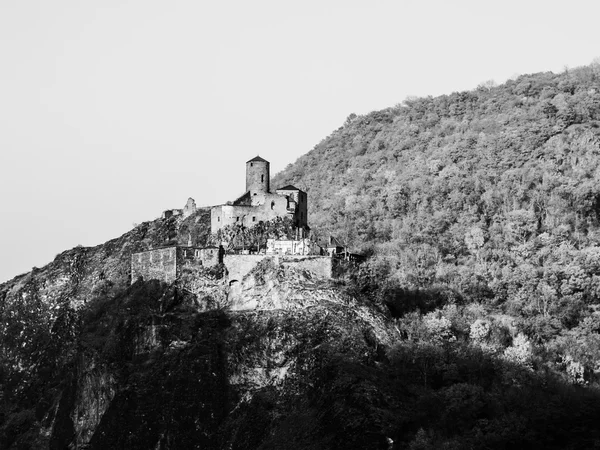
x=258, y=204
x=167, y=263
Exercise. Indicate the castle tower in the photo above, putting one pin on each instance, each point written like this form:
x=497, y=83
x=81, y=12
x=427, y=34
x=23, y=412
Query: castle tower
x=257, y=176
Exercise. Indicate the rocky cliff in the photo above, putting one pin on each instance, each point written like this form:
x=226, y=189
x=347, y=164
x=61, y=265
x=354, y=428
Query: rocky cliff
x=89, y=361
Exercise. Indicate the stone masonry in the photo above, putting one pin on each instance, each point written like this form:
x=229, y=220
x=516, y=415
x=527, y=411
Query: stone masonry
x=166, y=263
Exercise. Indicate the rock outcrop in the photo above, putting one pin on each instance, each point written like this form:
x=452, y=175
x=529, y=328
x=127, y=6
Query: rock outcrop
x=93, y=362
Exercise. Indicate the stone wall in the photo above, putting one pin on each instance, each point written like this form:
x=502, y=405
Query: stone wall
x=302, y=247
x=210, y=256
x=171, y=212
x=165, y=263
x=264, y=207
x=223, y=215
x=189, y=208
x=158, y=264
x=301, y=208
x=201, y=256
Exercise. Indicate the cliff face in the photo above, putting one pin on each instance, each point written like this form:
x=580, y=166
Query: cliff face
x=230, y=379
x=89, y=361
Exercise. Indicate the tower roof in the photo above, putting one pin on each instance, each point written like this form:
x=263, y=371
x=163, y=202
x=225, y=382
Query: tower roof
x=289, y=187
x=257, y=158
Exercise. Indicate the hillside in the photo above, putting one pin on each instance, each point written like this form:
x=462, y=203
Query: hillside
x=475, y=322
x=431, y=168
x=490, y=196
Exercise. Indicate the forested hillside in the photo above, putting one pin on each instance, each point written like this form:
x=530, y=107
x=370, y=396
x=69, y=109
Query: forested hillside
x=488, y=199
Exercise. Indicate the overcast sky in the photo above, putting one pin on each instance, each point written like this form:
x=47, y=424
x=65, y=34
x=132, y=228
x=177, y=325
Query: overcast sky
x=112, y=110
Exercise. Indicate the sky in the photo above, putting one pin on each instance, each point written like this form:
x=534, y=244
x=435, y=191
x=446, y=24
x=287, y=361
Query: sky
x=112, y=111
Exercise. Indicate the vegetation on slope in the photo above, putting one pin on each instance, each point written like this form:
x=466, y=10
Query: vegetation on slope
x=488, y=197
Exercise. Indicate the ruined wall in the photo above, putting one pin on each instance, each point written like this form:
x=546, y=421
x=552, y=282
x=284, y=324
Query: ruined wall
x=265, y=207
x=189, y=209
x=171, y=212
x=199, y=256
x=303, y=247
x=271, y=202
x=210, y=256
x=301, y=205
x=159, y=264
x=223, y=215
x=165, y=263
